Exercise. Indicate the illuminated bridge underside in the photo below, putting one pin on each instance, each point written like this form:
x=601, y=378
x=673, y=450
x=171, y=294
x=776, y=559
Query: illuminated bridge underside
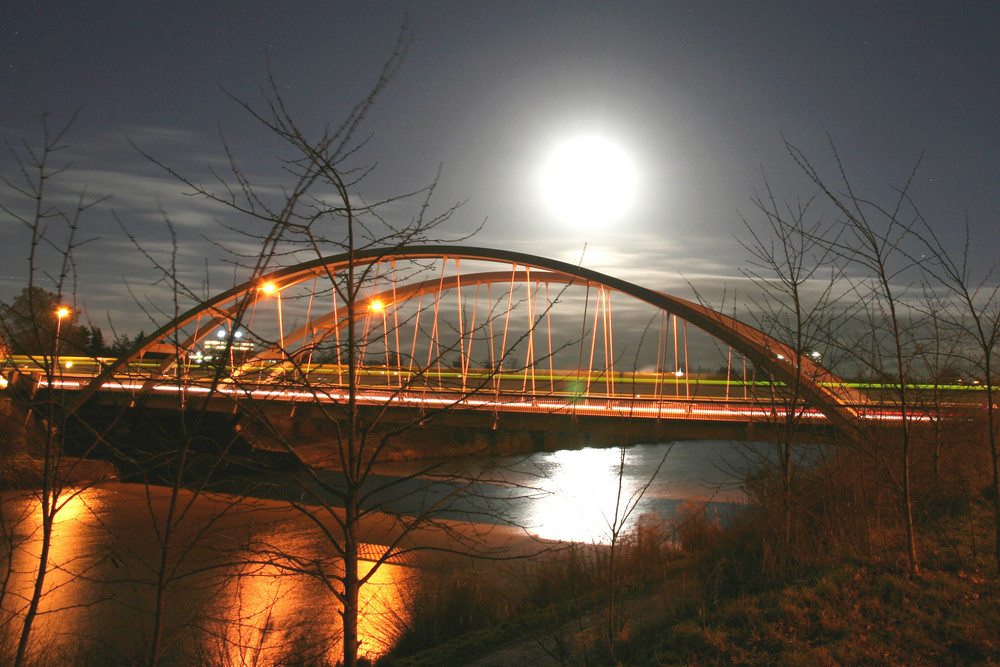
x=282, y=361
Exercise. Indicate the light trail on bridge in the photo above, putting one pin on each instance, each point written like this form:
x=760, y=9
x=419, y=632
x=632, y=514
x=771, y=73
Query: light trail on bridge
x=621, y=407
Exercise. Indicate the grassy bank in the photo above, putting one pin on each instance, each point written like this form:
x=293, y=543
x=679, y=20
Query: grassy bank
x=833, y=590
x=675, y=611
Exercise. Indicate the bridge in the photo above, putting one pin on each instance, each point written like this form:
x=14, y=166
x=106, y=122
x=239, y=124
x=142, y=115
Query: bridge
x=514, y=338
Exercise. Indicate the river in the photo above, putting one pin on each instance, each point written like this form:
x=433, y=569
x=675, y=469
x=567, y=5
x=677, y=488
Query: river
x=581, y=495
x=231, y=601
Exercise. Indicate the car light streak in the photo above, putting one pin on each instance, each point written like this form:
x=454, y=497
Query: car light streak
x=629, y=406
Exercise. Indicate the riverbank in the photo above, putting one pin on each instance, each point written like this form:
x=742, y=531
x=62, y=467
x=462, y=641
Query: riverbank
x=816, y=573
x=22, y=471
x=682, y=607
x=22, y=455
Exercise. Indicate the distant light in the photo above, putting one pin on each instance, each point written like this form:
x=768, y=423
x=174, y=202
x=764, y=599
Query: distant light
x=269, y=288
x=238, y=334
x=679, y=373
x=376, y=305
x=69, y=364
x=781, y=357
x=221, y=333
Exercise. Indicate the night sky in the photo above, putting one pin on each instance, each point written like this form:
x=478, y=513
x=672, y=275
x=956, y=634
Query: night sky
x=698, y=94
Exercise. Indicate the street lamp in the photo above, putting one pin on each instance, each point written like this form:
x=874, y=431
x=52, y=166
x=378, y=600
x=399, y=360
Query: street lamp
x=60, y=314
x=376, y=306
x=271, y=288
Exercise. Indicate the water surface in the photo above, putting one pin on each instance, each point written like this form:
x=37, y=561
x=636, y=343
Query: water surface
x=232, y=600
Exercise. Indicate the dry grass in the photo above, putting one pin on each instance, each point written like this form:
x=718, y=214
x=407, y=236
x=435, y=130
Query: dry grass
x=835, y=594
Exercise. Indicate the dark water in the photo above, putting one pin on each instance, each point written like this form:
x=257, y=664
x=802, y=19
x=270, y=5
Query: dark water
x=231, y=602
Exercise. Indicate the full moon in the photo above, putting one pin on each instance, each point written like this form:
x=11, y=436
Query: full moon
x=589, y=180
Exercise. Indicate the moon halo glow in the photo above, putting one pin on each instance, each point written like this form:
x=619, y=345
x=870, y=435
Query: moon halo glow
x=589, y=181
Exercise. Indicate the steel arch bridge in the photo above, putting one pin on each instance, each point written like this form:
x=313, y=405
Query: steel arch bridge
x=478, y=328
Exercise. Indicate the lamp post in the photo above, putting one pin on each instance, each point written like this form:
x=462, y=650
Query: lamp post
x=271, y=288
x=60, y=314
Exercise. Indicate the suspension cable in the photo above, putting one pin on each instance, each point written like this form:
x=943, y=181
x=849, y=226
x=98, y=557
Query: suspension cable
x=493, y=361
x=660, y=361
x=529, y=361
x=609, y=366
x=583, y=335
x=395, y=327
x=461, y=323
x=593, y=335
x=687, y=366
x=548, y=326
x=309, y=325
x=336, y=332
x=416, y=330
x=610, y=340
x=506, y=319
x=677, y=375
x=434, y=350
x=472, y=334
x=729, y=371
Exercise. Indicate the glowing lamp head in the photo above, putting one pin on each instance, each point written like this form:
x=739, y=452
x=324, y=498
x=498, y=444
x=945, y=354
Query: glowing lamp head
x=269, y=288
x=376, y=306
x=62, y=312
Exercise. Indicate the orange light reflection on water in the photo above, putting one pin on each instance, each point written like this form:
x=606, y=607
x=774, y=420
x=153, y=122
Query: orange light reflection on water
x=240, y=610
x=383, y=608
x=267, y=615
x=67, y=591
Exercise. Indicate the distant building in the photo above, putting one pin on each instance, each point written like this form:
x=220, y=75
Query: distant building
x=213, y=348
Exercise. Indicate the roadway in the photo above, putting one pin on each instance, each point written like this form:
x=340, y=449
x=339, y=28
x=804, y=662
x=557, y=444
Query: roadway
x=631, y=395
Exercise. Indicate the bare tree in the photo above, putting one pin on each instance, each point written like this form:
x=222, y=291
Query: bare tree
x=943, y=360
x=875, y=241
x=319, y=211
x=977, y=316
x=33, y=325
x=791, y=262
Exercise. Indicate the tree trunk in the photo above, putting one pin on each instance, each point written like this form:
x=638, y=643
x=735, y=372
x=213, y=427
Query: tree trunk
x=38, y=589
x=352, y=586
